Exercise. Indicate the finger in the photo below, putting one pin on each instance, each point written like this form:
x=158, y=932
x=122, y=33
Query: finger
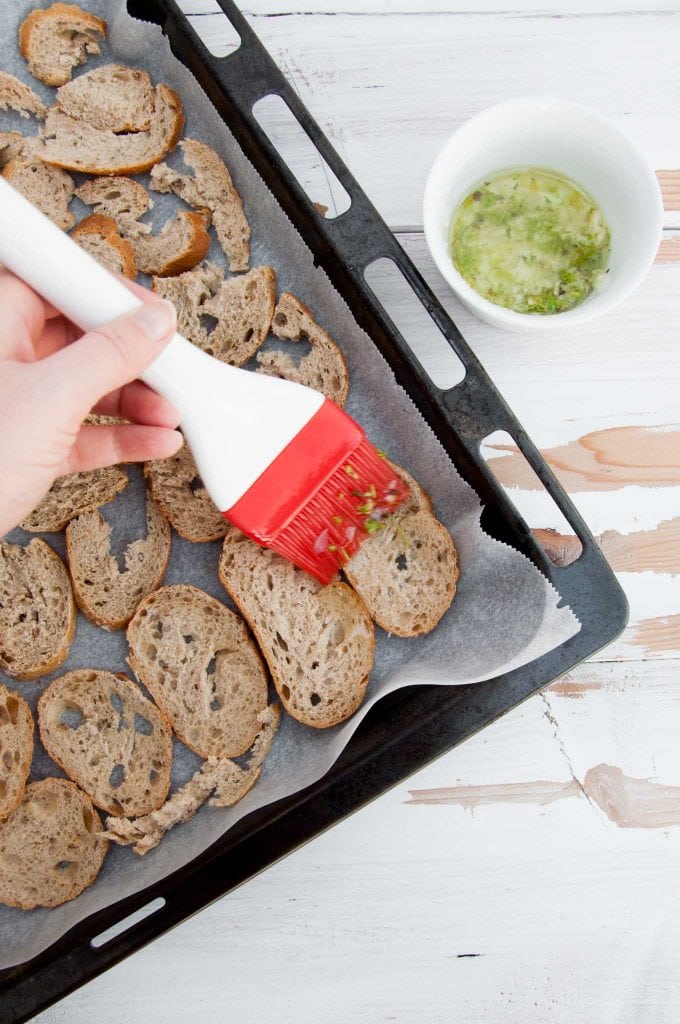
x=109, y=357
x=139, y=403
x=97, y=446
x=57, y=333
x=23, y=316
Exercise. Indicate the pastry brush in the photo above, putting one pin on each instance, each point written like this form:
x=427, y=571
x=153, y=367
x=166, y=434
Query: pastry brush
x=283, y=463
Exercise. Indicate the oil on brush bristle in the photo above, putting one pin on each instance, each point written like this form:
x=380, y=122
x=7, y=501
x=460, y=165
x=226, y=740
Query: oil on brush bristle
x=356, y=501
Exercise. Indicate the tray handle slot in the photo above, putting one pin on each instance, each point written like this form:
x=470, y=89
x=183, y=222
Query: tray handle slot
x=126, y=923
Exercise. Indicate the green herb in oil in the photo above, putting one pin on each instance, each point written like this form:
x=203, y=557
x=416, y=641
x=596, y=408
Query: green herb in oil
x=531, y=241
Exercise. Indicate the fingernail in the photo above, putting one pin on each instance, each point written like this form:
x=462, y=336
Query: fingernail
x=156, y=319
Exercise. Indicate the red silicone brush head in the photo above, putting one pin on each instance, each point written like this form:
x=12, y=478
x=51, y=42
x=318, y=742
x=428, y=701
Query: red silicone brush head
x=322, y=496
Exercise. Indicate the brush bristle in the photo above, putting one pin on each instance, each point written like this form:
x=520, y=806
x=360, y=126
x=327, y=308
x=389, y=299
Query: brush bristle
x=355, y=502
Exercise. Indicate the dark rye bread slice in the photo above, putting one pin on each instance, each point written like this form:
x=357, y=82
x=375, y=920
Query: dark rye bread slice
x=16, y=748
x=58, y=39
x=16, y=95
x=112, y=97
x=210, y=188
x=241, y=306
x=49, y=188
x=70, y=496
x=78, y=146
x=99, y=236
x=227, y=781
x=323, y=368
x=197, y=660
x=107, y=595
x=177, y=487
x=37, y=610
x=318, y=641
x=407, y=572
x=51, y=847
x=113, y=742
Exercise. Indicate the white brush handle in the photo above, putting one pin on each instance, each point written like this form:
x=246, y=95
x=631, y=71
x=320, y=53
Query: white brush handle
x=236, y=422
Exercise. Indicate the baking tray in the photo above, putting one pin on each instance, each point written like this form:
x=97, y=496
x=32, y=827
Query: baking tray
x=414, y=725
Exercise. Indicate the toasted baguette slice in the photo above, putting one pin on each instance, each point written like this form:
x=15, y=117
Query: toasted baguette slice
x=113, y=97
x=99, y=236
x=323, y=368
x=228, y=781
x=407, y=573
x=318, y=641
x=210, y=188
x=201, y=667
x=106, y=595
x=123, y=199
x=242, y=306
x=16, y=95
x=113, y=742
x=77, y=146
x=182, y=498
x=70, y=496
x=180, y=246
x=51, y=846
x=49, y=188
x=16, y=748
x=56, y=40
x=37, y=610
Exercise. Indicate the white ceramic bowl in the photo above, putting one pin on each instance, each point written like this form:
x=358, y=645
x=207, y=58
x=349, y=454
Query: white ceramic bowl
x=576, y=142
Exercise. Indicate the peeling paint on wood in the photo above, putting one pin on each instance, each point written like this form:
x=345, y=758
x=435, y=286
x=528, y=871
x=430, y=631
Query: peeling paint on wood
x=660, y=635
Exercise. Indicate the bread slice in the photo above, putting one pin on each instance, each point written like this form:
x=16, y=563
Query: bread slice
x=322, y=368
x=51, y=846
x=406, y=573
x=99, y=236
x=56, y=40
x=70, y=496
x=16, y=95
x=210, y=188
x=78, y=146
x=201, y=667
x=112, y=97
x=106, y=595
x=182, y=498
x=113, y=742
x=227, y=780
x=242, y=307
x=37, y=610
x=16, y=748
x=181, y=245
x=123, y=199
x=49, y=188
x=11, y=146
x=318, y=641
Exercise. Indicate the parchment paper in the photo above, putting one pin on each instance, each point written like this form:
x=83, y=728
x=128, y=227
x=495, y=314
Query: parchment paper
x=505, y=613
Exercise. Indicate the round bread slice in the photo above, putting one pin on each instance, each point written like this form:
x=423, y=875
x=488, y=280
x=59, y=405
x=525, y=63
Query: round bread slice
x=37, y=610
x=124, y=199
x=56, y=40
x=112, y=97
x=242, y=307
x=99, y=236
x=210, y=188
x=181, y=245
x=196, y=658
x=78, y=146
x=182, y=498
x=106, y=595
x=49, y=188
x=16, y=95
x=16, y=748
x=318, y=641
x=71, y=495
x=51, y=846
x=323, y=368
x=113, y=742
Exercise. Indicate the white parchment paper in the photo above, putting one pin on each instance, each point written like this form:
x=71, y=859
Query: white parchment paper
x=505, y=613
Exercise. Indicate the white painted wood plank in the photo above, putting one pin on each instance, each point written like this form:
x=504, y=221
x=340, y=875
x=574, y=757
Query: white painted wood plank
x=388, y=90
x=424, y=8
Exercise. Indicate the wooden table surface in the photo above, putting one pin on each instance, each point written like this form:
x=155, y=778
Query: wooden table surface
x=531, y=874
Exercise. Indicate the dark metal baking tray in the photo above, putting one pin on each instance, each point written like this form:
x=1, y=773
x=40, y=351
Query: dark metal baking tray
x=411, y=727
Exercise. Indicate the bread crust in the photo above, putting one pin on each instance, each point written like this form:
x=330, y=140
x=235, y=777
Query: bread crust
x=191, y=256
x=106, y=228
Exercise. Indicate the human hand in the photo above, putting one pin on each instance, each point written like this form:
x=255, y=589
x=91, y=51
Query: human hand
x=49, y=382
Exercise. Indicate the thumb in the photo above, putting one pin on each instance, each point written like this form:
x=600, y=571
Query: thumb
x=109, y=356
